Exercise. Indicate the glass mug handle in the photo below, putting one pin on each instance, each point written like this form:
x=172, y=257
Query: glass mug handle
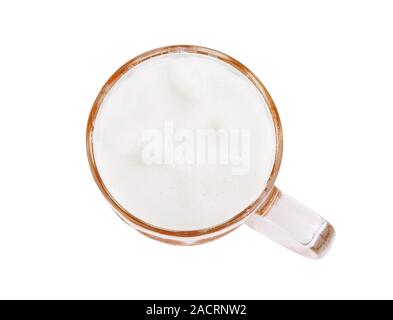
x=294, y=226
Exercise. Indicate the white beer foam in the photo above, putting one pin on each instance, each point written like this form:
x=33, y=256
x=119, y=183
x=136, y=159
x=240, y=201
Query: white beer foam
x=192, y=92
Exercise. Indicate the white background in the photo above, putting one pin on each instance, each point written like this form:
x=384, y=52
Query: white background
x=328, y=66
